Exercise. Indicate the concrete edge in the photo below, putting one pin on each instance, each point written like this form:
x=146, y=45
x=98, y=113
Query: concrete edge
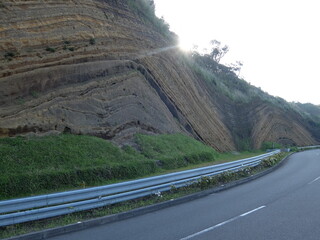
x=49, y=233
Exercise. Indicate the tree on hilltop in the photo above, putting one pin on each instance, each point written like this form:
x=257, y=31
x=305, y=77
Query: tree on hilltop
x=217, y=51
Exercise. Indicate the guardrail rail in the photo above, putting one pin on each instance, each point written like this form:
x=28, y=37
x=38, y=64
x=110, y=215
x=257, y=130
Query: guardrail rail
x=45, y=206
x=309, y=147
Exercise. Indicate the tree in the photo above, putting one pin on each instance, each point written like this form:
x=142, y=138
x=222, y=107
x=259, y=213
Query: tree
x=236, y=67
x=217, y=52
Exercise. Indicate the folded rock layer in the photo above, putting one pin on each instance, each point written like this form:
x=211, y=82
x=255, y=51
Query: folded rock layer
x=98, y=67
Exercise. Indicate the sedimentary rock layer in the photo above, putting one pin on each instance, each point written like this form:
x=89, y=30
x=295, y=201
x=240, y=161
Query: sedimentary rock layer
x=101, y=68
x=95, y=67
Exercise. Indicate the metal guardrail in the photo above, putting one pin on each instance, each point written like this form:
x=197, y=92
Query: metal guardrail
x=56, y=204
x=309, y=147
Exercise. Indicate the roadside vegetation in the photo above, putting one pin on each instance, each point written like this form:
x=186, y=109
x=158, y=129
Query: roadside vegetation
x=271, y=145
x=200, y=185
x=38, y=165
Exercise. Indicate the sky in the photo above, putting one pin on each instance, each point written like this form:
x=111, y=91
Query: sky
x=278, y=41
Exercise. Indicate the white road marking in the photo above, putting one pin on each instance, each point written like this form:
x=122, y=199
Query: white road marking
x=247, y=213
x=221, y=224
x=314, y=180
x=210, y=228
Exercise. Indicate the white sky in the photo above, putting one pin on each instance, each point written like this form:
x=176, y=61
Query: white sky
x=277, y=40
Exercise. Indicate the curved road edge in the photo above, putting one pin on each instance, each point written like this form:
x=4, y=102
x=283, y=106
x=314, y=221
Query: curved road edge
x=48, y=233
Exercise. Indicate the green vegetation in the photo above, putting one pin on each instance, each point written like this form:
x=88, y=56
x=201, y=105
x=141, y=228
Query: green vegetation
x=34, y=94
x=175, y=151
x=270, y=145
x=39, y=165
x=174, y=193
x=67, y=161
x=145, y=9
x=20, y=101
x=225, y=81
x=9, y=55
x=66, y=45
x=50, y=49
x=92, y=41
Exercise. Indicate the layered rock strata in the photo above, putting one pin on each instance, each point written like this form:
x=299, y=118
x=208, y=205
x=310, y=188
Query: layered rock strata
x=100, y=68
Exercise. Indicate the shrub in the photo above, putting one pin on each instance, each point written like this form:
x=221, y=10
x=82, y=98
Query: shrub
x=50, y=49
x=92, y=41
x=34, y=94
x=146, y=10
x=270, y=145
x=9, y=55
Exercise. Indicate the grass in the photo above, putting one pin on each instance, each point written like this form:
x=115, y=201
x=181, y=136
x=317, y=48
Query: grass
x=271, y=145
x=202, y=184
x=175, y=151
x=47, y=164
x=39, y=165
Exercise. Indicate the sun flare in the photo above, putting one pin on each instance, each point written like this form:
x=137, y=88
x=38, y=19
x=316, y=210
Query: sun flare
x=185, y=45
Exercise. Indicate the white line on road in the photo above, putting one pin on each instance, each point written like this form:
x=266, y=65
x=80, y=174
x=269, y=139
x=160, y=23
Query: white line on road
x=221, y=224
x=247, y=213
x=314, y=180
x=210, y=228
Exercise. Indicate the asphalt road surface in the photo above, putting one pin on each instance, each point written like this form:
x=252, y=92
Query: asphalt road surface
x=284, y=204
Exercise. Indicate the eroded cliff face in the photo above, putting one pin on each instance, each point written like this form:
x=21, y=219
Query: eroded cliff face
x=97, y=67
x=262, y=119
x=276, y=125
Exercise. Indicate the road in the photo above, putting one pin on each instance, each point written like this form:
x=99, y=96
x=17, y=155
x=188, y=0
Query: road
x=284, y=204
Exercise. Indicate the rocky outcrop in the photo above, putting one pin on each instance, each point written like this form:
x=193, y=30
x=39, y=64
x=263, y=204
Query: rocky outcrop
x=257, y=121
x=95, y=67
x=100, y=68
x=274, y=125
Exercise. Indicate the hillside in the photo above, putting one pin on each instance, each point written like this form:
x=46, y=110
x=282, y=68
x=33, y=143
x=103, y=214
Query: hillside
x=111, y=69
x=253, y=116
x=308, y=110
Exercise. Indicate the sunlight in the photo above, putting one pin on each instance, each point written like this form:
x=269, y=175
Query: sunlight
x=185, y=44
x=194, y=23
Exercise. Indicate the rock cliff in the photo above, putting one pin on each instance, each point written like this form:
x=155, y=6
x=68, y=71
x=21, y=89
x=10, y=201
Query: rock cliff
x=102, y=68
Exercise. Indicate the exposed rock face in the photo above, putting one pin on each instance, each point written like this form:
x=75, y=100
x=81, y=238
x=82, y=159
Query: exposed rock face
x=258, y=121
x=274, y=125
x=96, y=67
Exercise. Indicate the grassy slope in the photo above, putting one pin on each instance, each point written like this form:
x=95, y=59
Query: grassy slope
x=47, y=164
x=66, y=161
